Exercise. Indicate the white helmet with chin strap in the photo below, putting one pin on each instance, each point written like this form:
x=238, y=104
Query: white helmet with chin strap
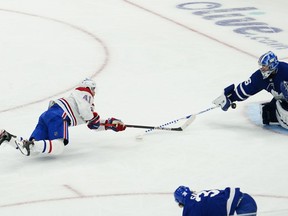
x=88, y=83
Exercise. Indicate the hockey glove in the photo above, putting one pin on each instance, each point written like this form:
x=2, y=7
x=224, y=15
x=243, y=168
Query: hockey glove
x=223, y=100
x=94, y=123
x=114, y=124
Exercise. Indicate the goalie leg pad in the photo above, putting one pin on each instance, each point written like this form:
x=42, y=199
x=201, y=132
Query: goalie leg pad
x=282, y=113
x=268, y=111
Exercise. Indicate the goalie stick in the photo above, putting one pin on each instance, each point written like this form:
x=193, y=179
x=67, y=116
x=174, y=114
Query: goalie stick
x=190, y=118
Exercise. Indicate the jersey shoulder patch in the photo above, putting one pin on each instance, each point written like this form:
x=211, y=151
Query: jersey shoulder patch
x=254, y=115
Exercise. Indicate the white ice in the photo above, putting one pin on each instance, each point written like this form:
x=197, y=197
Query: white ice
x=153, y=63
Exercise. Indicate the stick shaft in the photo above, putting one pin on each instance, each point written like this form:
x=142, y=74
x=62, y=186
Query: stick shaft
x=147, y=127
x=189, y=119
x=154, y=128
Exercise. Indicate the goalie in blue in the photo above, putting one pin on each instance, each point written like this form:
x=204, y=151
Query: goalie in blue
x=272, y=76
x=230, y=201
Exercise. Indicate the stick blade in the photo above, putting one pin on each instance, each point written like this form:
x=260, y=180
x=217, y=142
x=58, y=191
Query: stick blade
x=188, y=122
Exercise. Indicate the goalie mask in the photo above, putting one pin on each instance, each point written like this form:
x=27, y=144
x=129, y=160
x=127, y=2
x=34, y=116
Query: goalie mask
x=268, y=64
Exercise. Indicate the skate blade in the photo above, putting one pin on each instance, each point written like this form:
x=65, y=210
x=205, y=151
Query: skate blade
x=21, y=149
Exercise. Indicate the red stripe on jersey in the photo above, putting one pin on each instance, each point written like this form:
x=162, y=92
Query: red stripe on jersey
x=64, y=115
x=69, y=110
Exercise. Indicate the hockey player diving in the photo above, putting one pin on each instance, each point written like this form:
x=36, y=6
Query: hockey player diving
x=50, y=135
x=272, y=76
x=230, y=201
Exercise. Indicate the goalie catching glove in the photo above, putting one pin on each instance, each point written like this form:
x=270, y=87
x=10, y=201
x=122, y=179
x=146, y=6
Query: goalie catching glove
x=114, y=124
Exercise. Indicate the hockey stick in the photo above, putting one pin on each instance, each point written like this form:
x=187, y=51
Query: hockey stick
x=190, y=118
x=155, y=128
x=147, y=127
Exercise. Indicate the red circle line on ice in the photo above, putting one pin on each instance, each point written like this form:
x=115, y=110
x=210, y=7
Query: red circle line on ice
x=79, y=195
x=76, y=28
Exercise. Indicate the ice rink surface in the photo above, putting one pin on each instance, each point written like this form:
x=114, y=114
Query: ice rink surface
x=153, y=61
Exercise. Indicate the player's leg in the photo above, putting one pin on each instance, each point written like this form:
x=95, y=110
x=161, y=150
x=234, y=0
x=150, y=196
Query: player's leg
x=54, y=144
x=51, y=147
x=269, y=112
x=41, y=130
x=49, y=136
x=13, y=141
x=7, y=137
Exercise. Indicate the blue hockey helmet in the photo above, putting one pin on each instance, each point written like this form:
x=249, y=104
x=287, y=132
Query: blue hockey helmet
x=247, y=206
x=268, y=63
x=181, y=194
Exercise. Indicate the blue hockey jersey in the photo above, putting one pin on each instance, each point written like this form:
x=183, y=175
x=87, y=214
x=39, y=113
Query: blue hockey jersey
x=212, y=202
x=256, y=83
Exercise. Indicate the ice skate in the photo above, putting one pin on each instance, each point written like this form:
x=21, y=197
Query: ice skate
x=5, y=136
x=27, y=145
x=24, y=146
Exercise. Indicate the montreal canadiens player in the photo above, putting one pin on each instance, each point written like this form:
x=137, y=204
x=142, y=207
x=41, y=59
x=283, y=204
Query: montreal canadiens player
x=230, y=201
x=51, y=132
x=272, y=77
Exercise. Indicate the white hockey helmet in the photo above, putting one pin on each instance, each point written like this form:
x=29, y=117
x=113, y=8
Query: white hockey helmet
x=88, y=83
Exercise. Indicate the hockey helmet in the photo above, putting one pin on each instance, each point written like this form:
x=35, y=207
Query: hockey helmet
x=246, y=206
x=181, y=194
x=88, y=83
x=268, y=63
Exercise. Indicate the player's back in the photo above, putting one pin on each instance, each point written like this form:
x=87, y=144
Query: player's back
x=212, y=202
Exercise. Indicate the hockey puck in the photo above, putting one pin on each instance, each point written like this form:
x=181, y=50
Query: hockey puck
x=233, y=105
